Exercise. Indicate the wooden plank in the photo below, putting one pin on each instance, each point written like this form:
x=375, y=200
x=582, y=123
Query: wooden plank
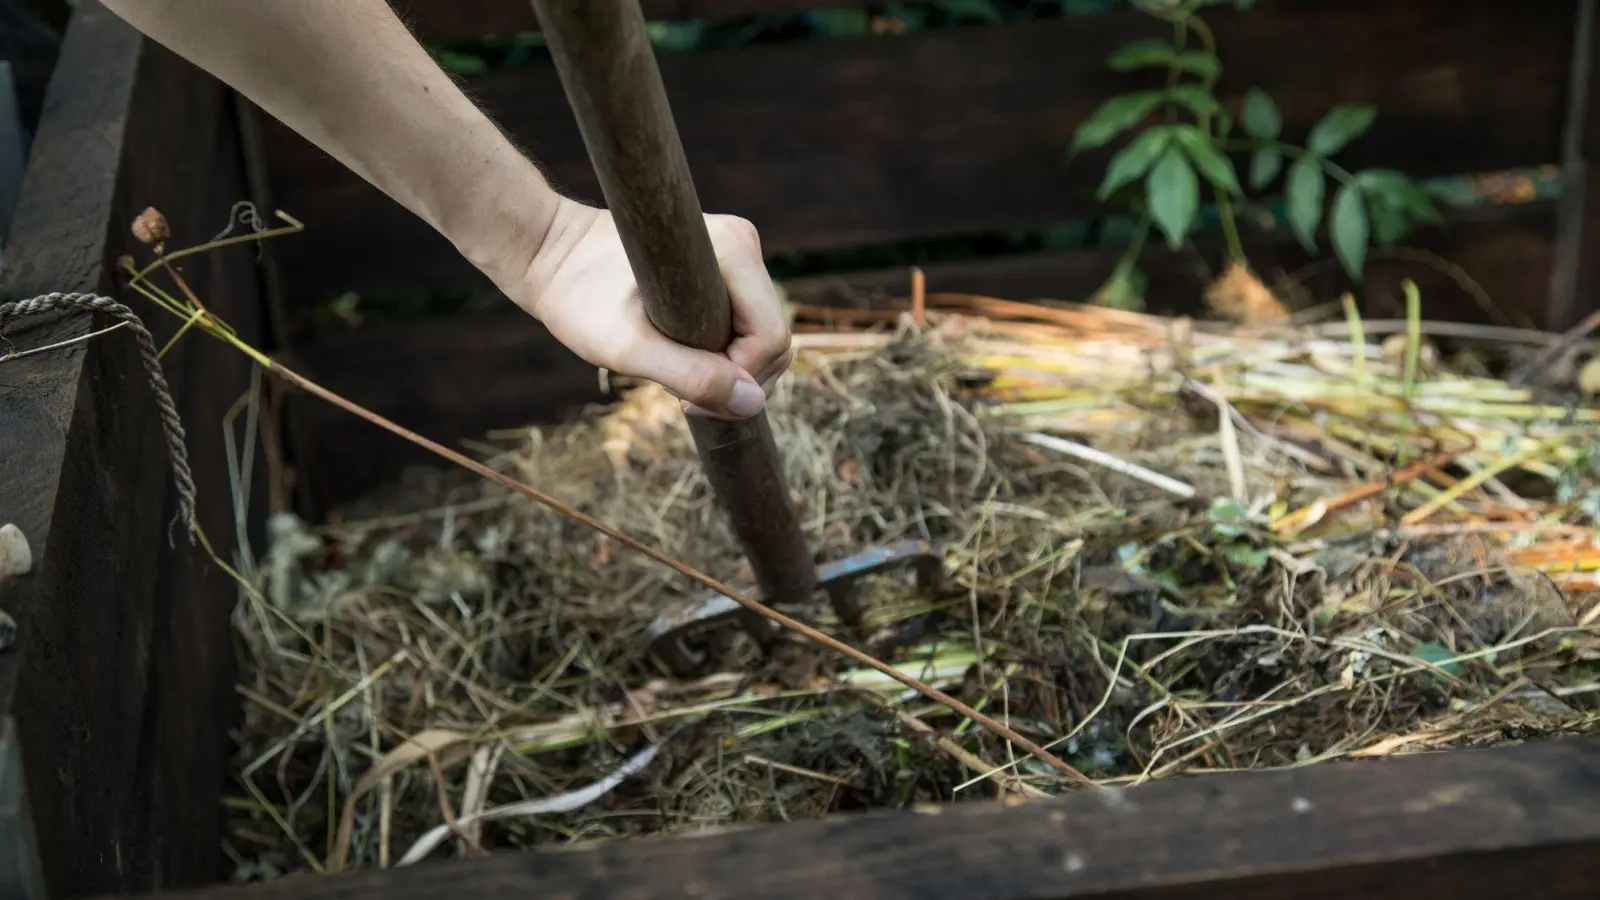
x=454, y=379
x=456, y=21
x=852, y=142
x=430, y=375
x=122, y=677
x=11, y=152
x=1575, y=284
x=1470, y=825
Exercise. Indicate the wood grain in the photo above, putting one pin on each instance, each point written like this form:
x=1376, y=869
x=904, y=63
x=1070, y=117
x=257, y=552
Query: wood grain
x=1470, y=825
x=850, y=142
x=123, y=669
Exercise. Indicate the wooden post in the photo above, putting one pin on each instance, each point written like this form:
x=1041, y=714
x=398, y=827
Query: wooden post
x=1575, y=275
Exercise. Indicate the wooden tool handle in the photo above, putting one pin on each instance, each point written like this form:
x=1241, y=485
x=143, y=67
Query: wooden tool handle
x=608, y=69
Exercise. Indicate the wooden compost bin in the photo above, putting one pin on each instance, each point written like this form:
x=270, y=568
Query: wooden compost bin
x=119, y=691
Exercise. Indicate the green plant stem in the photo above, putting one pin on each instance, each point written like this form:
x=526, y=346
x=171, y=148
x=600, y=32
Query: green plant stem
x=1208, y=40
x=1180, y=36
x=1136, y=246
x=1230, y=228
x=1181, y=25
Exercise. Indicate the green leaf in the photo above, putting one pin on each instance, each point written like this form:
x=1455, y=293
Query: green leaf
x=1265, y=164
x=1420, y=205
x=1114, y=117
x=1413, y=199
x=1261, y=117
x=1142, y=54
x=1303, y=194
x=1436, y=653
x=1216, y=167
x=1224, y=124
x=1248, y=557
x=1228, y=516
x=1392, y=195
x=1339, y=127
x=1388, y=217
x=1132, y=161
x=841, y=22
x=1199, y=100
x=1385, y=192
x=1348, y=225
x=1199, y=64
x=1173, y=190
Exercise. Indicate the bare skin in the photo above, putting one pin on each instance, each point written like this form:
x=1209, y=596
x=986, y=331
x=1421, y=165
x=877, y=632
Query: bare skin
x=350, y=77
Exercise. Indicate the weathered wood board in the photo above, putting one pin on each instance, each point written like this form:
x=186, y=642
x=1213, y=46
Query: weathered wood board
x=1469, y=825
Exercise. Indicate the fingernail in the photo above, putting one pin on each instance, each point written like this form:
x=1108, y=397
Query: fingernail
x=747, y=399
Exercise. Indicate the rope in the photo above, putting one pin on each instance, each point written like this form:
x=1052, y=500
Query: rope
x=171, y=425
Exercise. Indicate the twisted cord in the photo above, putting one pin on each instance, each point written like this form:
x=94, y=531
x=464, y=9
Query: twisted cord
x=171, y=425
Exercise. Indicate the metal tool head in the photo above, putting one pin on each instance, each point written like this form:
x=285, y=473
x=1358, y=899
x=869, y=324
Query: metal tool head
x=666, y=635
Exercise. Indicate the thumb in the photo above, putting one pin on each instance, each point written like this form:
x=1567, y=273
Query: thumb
x=709, y=381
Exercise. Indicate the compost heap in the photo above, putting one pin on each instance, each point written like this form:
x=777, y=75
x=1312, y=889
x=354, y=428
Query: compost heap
x=1296, y=548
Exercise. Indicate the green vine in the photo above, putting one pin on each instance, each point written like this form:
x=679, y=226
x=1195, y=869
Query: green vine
x=1160, y=169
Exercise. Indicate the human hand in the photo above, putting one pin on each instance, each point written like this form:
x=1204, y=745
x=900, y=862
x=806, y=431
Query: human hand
x=581, y=287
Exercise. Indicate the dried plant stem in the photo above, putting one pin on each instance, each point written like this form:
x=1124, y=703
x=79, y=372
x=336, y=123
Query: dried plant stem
x=795, y=625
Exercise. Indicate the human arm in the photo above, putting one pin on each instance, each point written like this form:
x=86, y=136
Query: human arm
x=350, y=78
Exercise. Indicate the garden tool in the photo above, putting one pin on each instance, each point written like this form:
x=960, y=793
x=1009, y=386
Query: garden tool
x=608, y=70
x=668, y=632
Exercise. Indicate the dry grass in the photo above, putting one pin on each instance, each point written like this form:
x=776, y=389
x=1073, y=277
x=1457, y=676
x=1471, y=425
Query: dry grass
x=1291, y=547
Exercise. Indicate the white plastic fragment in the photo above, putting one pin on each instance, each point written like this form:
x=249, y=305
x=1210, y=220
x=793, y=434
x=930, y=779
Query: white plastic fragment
x=542, y=806
x=15, y=558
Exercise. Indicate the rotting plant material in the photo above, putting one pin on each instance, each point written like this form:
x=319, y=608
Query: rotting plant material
x=1288, y=611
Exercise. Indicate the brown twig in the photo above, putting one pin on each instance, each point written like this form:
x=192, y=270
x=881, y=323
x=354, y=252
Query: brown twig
x=919, y=298
x=977, y=764
x=632, y=543
x=445, y=808
x=1553, y=350
x=1297, y=521
x=183, y=283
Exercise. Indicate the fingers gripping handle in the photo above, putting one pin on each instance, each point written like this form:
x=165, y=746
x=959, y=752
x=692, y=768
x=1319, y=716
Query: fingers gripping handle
x=608, y=69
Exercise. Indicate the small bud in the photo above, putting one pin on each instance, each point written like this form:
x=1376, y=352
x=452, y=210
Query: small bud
x=1589, y=377
x=15, y=557
x=1394, y=350
x=151, y=227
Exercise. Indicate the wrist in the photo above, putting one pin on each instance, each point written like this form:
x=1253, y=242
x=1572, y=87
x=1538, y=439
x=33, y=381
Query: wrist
x=499, y=223
x=568, y=225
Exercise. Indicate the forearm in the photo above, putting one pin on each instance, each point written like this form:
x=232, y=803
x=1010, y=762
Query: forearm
x=349, y=77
